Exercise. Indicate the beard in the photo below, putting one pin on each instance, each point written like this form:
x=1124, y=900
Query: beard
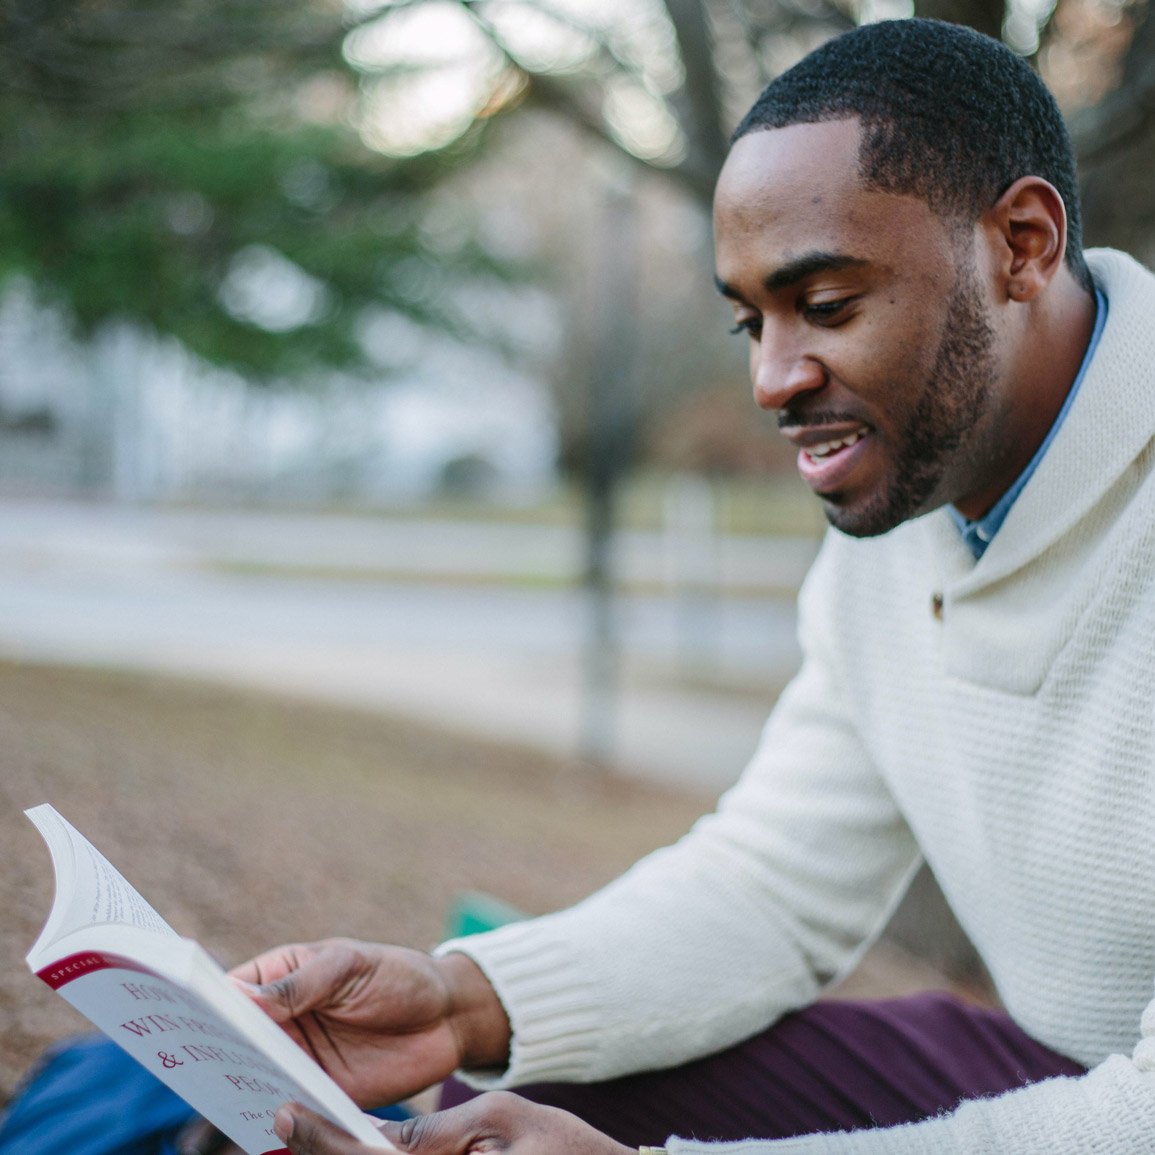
x=937, y=431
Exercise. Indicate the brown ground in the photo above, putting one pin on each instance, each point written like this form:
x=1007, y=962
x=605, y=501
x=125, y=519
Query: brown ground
x=250, y=820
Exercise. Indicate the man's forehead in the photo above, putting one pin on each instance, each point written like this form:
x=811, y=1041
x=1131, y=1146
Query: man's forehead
x=791, y=201
x=814, y=157
x=786, y=202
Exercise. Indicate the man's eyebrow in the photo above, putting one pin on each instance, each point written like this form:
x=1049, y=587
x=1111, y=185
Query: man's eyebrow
x=809, y=263
x=797, y=270
x=726, y=290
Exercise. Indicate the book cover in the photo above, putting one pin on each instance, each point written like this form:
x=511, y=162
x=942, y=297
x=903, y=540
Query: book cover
x=166, y=1002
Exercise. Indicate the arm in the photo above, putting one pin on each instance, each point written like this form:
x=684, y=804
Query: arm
x=708, y=941
x=698, y=946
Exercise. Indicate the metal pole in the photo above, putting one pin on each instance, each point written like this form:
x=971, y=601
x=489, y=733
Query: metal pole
x=612, y=415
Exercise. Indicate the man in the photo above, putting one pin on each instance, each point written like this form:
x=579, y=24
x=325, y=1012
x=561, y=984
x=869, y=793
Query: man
x=898, y=235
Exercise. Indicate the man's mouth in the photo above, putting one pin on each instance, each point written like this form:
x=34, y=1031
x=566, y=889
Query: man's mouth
x=830, y=455
x=826, y=448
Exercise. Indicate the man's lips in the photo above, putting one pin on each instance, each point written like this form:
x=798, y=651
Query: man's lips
x=815, y=434
x=828, y=453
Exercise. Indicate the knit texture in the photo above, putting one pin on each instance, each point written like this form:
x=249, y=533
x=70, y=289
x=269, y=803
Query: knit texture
x=1009, y=740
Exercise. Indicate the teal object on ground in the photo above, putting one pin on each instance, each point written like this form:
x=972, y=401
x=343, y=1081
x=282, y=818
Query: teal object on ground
x=475, y=913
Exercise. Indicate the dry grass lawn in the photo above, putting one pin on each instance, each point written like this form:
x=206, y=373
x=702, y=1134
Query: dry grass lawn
x=250, y=820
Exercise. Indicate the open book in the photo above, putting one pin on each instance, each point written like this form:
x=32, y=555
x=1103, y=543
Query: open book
x=170, y=1006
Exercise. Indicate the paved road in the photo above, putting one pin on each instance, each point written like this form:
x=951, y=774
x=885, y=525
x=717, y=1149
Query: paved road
x=415, y=620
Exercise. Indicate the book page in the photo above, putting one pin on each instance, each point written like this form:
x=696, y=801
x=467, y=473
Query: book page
x=90, y=891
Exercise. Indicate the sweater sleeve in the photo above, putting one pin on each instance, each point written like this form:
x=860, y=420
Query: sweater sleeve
x=708, y=941
x=1110, y=1109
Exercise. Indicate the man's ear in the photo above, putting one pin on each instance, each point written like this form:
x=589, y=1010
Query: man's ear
x=1028, y=227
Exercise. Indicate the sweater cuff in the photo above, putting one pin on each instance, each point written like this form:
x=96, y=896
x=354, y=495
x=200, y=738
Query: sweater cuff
x=554, y=1013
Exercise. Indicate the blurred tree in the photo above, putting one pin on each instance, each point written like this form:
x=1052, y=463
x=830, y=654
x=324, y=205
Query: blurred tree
x=254, y=180
x=661, y=80
x=195, y=164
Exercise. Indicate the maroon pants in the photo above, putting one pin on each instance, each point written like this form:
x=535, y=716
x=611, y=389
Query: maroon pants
x=835, y=1066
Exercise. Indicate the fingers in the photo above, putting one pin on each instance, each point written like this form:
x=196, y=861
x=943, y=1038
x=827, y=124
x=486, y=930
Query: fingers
x=497, y=1122
x=306, y=1133
x=272, y=965
x=291, y=981
x=500, y=1122
x=258, y=978
x=454, y=1132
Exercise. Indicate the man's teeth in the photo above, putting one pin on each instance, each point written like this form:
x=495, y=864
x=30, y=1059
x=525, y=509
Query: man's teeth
x=825, y=448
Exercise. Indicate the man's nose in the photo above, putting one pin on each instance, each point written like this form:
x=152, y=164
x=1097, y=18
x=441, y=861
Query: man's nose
x=781, y=374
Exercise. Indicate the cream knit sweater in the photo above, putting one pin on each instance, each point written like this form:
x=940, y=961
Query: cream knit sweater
x=1010, y=741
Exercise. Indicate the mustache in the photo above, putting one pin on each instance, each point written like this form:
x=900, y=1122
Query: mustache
x=789, y=418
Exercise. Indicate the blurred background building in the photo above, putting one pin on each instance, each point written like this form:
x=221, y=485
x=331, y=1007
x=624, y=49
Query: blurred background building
x=129, y=416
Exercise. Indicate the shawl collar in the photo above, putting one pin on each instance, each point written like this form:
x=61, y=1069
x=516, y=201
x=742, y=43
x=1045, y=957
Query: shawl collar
x=1111, y=422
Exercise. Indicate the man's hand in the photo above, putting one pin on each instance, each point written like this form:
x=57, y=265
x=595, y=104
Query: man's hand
x=490, y=1123
x=384, y=1022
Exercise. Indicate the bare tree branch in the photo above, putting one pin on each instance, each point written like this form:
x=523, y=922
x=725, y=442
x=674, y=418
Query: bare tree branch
x=1125, y=114
x=567, y=98
x=1115, y=141
x=699, y=102
x=983, y=15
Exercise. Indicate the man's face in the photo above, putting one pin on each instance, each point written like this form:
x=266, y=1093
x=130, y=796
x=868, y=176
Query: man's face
x=868, y=326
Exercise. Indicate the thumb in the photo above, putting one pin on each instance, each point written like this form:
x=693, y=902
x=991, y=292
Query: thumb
x=270, y=997
x=314, y=985
x=456, y=1131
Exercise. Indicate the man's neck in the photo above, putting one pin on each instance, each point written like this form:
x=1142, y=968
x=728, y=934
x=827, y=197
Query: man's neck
x=1051, y=343
x=977, y=533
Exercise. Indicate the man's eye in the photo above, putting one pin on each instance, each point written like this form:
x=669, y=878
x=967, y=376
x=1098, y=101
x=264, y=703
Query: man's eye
x=825, y=310
x=751, y=326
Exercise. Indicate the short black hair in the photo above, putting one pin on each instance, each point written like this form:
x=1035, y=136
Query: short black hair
x=948, y=114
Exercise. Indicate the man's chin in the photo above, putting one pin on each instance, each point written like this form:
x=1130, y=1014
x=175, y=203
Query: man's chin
x=901, y=495
x=862, y=519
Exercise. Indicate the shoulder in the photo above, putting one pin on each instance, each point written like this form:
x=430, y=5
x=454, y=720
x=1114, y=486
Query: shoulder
x=1128, y=285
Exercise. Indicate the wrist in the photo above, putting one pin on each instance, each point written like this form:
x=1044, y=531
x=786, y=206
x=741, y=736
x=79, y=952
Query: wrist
x=475, y=1014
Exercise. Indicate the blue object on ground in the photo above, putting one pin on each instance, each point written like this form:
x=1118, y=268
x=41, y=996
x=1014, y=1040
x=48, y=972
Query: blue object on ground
x=87, y=1097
